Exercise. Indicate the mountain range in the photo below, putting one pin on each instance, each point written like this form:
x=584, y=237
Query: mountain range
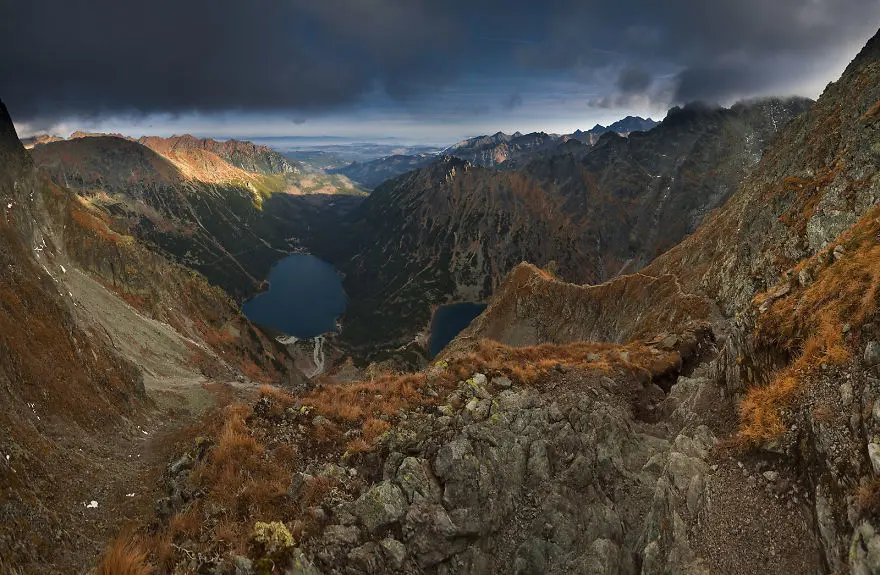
x=452, y=231
x=495, y=151
x=682, y=378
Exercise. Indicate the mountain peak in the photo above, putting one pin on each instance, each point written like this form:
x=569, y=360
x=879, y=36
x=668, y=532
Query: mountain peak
x=10, y=145
x=868, y=54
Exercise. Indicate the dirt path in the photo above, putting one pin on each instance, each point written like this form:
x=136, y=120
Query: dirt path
x=124, y=467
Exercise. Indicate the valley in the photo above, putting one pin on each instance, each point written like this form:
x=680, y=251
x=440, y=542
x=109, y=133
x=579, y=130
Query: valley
x=642, y=349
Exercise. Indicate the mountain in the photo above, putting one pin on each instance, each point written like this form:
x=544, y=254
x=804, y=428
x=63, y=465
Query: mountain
x=452, y=231
x=373, y=173
x=492, y=151
x=229, y=210
x=245, y=155
x=29, y=143
x=622, y=127
x=716, y=411
x=502, y=149
x=106, y=350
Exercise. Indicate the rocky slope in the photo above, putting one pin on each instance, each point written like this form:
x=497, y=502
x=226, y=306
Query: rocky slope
x=452, y=231
x=792, y=257
x=228, y=210
x=103, y=344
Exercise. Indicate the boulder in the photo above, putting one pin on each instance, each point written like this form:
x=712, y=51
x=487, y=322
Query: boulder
x=381, y=506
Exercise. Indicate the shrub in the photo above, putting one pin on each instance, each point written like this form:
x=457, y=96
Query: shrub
x=126, y=555
x=271, y=538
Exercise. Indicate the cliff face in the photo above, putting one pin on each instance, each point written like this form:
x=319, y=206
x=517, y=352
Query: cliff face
x=452, y=231
x=814, y=183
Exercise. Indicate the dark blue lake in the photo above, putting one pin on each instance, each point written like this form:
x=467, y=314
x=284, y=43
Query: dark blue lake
x=304, y=300
x=449, y=321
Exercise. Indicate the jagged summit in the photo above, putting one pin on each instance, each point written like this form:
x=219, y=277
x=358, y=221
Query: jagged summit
x=9, y=142
x=867, y=56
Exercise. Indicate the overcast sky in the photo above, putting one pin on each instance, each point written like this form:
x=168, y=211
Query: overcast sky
x=426, y=71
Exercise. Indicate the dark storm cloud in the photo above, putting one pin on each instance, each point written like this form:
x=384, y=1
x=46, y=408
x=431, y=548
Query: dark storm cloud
x=633, y=80
x=62, y=58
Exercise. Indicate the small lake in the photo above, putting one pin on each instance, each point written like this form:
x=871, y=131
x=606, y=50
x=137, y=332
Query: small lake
x=449, y=321
x=304, y=300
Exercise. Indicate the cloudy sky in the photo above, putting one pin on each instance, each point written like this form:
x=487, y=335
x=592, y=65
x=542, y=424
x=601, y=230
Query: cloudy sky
x=429, y=71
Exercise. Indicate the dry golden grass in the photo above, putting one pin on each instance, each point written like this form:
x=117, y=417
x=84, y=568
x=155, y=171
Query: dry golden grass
x=97, y=222
x=627, y=308
x=276, y=395
x=373, y=404
x=807, y=324
x=823, y=414
x=239, y=476
x=126, y=555
x=374, y=428
x=872, y=112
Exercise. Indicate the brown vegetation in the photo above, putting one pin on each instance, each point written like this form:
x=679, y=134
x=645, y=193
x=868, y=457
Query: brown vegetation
x=808, y=323
x=126, y=555
x=872, y=112
x=242, y=478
